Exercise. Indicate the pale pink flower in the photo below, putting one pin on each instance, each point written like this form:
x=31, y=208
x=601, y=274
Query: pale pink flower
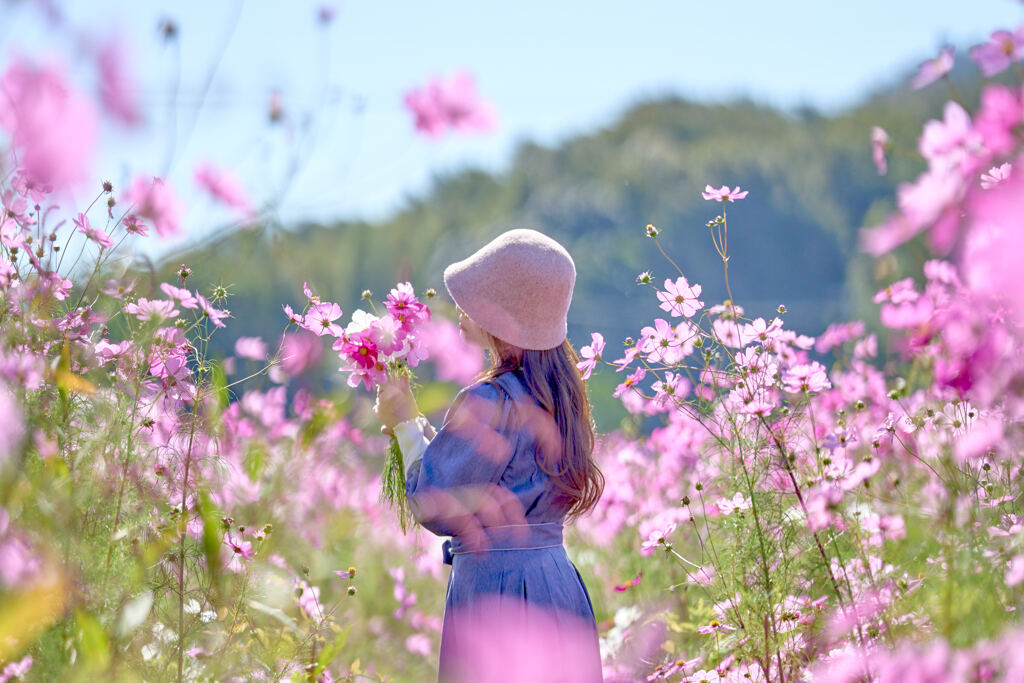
x=300, y=351
x=153, y=198
x=738, y=503
x=591, y=354
x=253, y=348
x=933, y=69
x=419, y=644
x=183, y=296
x=224, y=186
x=680, y=298
x=723, y=194
x=156, y=309
x=309, y=600
x=1003, y=49
x=215, y=315
x=320, y=320
x=995, y=175
x=16, y=669
x=96, y=235
x=807, y=378
x=1015, y=572
x=658, y=537
x=119, y=89
x=293, y=317
x=19, y=564
x=388, y=334
x=53, y=128
x=12, y=427
x=134, y=225
x=455, y=358
x=879, y=143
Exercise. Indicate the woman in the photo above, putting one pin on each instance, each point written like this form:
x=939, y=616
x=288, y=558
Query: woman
x=512, y=463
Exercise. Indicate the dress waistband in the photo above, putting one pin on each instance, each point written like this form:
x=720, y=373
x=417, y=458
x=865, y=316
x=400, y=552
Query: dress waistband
x=508, y=537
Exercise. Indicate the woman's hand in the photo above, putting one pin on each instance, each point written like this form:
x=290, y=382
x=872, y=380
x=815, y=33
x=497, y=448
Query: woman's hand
x=395, y=403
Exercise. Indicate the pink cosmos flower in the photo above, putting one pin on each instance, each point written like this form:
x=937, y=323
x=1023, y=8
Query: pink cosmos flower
x=680, y=298
x=154, y=199
x=156, y=309
x=388, y=334
x=18, y=562
x=995, y=175
x=1015, y=572
x=240, y=552
x=715, y=627
x=998, y=118
x=16, y=669
x=183, y=296
x=12, y=427
x=723, y=194
x=300, y=351
x=309, y=600
x=405, y=307
x=134, y=225
x=1003, y=49
x=455, y=358
x=453, y=104
x=879, y=143
x=933, y=69
x=53, y=129
x=808, y=378
x=419, y=644
x=944, y=143
x=119, y=89
x=630, y=382
x=664, y=343
x=97, y=235
x=635, y=581
x=224, y=186
x=215, y=315
x=737, y=503
x=320, y=320
x=293, y=317
x=252, y=348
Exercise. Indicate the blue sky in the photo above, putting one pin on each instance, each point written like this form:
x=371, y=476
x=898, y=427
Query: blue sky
x=552, y=70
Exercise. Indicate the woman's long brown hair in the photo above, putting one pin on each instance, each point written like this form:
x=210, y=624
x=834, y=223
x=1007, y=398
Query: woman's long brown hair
x=555, y=382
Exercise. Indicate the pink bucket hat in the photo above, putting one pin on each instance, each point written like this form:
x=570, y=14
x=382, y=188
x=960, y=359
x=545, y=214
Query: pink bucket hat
x=517, y=287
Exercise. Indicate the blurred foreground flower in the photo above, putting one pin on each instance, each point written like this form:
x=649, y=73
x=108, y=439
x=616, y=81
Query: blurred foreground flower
x=454, y=104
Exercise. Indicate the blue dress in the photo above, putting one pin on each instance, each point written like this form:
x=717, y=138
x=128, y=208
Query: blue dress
x=516, y=606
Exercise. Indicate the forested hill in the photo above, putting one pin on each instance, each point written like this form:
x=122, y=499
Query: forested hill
x=793, y=240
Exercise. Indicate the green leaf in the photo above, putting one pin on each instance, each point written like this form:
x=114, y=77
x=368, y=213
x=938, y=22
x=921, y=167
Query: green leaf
x=212, y=535
x=274, y=613
x=329, y=652
x=92, y=641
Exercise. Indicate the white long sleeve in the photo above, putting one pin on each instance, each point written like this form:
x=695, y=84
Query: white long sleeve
x=412, y=439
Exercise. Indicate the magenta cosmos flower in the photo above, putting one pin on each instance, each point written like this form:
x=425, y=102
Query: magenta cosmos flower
x=723, y=194
x=154, y=199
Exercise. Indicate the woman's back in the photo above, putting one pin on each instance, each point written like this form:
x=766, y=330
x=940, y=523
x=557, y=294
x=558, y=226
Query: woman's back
x=480, y=480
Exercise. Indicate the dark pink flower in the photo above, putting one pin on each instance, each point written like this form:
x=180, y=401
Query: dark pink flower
x=405, y=307
x=1002, y=49
x=223, y=185
x=723, y=194
x=119, y=89
x=53, y=128
x=933, y=69
x=154, y=199
x=453, y=104
x=96, y=235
